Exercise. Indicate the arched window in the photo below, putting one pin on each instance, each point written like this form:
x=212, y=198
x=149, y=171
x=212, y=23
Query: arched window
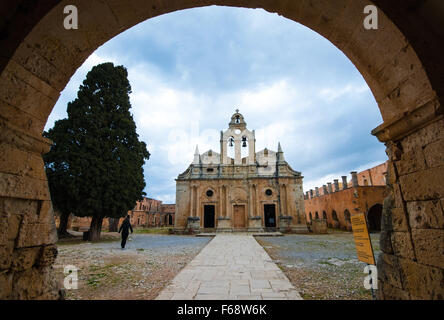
x=231, y=141
x=334, y=215
x=230, y=147
x=316, y=215
x=311, y=217
x=324, y=215
x=244, y=149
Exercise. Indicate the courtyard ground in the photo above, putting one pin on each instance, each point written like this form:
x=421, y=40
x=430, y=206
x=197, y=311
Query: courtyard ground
x=321, y=267
x=141, y=271
x=318, y=266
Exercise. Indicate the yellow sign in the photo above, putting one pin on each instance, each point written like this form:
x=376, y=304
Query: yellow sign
x=363, y=243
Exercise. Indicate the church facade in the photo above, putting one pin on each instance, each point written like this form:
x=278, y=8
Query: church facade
x=239, y=189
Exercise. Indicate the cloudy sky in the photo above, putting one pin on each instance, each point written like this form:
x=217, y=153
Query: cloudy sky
x=191, y=69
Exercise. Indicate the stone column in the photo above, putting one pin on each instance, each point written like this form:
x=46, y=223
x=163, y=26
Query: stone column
x=336, y=183
x=317, y=191
x=224, y=205
x=220, y=201
x=250, y=201
x=354, y=175
x=192, y=201
x=254, y=200
x=223, y=224
x=344, y=183
x=329, y=187
x=258, y=205
x=237, y=151
x=311, y=193
x=197, y=203
x=287, y=206
x=227, y=203
x=223, y=149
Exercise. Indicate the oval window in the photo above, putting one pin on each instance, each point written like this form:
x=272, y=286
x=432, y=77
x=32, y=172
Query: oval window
x=268, y=192
x=210, y=193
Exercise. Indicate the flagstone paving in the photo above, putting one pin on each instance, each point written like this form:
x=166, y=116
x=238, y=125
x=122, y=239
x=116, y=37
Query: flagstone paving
x=231, y=266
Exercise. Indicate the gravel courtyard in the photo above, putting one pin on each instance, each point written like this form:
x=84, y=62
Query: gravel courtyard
x=140, y=271
x=321, y=267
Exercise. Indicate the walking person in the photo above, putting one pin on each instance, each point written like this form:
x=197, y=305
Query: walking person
x=125, y=227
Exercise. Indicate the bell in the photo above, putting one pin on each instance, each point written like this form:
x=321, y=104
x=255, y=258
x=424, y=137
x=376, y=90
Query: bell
x=231, y=142
x=244, y=144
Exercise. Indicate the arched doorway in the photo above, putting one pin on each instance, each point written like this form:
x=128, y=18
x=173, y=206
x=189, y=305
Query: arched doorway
x=374, y=216
x=347, y=216
x=400, y=61
x=170, y=220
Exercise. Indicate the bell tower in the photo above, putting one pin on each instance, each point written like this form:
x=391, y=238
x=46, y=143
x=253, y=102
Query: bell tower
x=237, y=136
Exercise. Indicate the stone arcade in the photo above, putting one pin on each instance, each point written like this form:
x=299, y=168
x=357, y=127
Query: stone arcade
x=255, y=192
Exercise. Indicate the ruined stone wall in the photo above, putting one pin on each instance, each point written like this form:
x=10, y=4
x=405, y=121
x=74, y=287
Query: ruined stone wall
x=168, y=208
x=138, y=216
x=359, y=199
x=375, y=176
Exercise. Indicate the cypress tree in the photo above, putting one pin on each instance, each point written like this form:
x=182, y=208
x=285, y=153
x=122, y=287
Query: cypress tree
x=95, y=167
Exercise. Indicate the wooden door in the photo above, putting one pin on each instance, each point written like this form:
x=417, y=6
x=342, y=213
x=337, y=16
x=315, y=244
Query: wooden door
x=239, y=216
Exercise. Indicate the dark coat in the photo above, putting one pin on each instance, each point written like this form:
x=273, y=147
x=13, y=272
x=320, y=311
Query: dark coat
x=126, y=225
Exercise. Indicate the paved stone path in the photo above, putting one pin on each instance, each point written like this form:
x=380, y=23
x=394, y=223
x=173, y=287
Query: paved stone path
x=231, y=266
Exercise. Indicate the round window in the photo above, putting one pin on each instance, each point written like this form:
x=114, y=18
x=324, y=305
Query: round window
x=210, y=193
x=268, y=192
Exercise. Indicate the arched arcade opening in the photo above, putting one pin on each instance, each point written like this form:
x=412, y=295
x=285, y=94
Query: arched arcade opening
x=400, y=61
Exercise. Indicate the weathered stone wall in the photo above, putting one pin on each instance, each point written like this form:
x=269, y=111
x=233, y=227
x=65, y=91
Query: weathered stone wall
x=355, y=200
x=147, y=212
x=27, y=249
x=319, y=226
x=375, y=176
x=411, y=265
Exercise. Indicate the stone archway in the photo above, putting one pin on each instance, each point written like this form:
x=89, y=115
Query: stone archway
x=374, y=216
x=400, y=61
